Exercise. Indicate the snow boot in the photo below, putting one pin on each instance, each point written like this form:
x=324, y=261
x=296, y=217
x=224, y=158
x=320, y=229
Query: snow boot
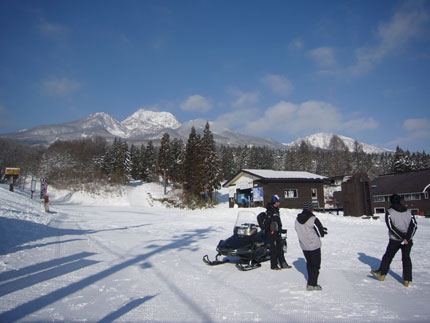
x=276, y=268
x=285, y=266
x=378, y=275
x=310, y=288
x=406, y=283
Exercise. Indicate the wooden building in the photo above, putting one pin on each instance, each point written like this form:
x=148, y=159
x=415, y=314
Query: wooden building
x=255, y=187
x=356, y=200
x=413, y=187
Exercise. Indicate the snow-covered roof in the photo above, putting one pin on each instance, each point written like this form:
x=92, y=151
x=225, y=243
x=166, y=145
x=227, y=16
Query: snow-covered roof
x=267, y=174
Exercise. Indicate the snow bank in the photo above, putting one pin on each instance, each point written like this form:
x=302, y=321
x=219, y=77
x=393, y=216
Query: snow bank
x=18, y=205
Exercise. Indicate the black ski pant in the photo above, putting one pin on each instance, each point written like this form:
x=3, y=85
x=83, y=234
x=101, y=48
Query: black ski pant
x=313, y=264
x=392, y=248
x=276, y=250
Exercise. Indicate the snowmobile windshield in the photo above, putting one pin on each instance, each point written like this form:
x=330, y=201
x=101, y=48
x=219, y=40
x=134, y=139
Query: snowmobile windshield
x=246, y=223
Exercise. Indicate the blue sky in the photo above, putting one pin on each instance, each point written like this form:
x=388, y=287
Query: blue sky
x=279, y=69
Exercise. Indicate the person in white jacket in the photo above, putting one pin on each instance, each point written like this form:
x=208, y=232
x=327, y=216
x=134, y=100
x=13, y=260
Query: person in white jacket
x=402, y=226
x=309, y=231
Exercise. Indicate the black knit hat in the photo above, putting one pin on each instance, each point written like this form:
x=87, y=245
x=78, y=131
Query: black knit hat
x=308, y=206
x=395, y=199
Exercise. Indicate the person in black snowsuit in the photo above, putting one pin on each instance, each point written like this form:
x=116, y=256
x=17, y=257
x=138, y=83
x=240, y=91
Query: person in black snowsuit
x=273, y=229
x=310, y=231
x=402, y=226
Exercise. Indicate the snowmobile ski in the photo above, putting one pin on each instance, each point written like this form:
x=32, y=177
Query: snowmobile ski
x=242, y=266
x=215, y=262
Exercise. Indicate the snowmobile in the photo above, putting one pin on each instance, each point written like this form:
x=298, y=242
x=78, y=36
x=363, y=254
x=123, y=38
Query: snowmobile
x=247, y=247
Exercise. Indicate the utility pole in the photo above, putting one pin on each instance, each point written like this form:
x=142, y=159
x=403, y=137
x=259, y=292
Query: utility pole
x=165, y=180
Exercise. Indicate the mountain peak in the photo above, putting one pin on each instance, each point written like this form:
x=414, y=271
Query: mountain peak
x=144, y=121
x=322, y=140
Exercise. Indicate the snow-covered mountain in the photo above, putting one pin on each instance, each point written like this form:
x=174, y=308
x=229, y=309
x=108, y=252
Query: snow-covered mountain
x=145, y=125
x=98, y=124
x=139, y=128
x=322, y=140
x=143, y=122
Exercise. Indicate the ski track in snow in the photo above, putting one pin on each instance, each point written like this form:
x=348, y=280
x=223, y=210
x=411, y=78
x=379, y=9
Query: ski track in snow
x=127, y=258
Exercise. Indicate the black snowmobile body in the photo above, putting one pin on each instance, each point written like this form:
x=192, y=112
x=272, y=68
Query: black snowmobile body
x=248, y=245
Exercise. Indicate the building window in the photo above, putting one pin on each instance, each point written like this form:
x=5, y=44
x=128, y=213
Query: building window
x=314, y=193
x=377, y=199
x=379, y=210
x=412, y=197
x=291, y=193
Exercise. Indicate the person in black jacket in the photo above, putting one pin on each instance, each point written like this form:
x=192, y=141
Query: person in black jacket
x=402, y=226
x=273, y=231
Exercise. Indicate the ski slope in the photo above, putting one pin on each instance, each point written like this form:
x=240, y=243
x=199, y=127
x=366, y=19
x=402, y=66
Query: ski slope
x=127, y=258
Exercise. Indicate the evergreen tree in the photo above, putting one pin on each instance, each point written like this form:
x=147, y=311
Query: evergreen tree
x=165, y=155
x=192, y=163
x=243, y=157
x=278, y=159
x=136, y=163
x=178, y=156
x=304, y=157
x=227, y=163
x=401, y=161
x=289, y=160
x=149, y=162
x=121, y=162
x=211, y=168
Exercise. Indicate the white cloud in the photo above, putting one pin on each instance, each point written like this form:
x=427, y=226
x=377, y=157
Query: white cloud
x=415, y=125
x=274, y=119
x=286, y=117
x=236, y=119
x=196, y=103
x=244, y=99
x=278, y=84
x=408, y=23
x=307, y=117
x=323, y=56
x=359, y=125
x=59, y=86
x=417, y=133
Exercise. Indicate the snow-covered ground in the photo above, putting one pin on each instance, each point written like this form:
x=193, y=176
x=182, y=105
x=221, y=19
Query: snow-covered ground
x=128, y=258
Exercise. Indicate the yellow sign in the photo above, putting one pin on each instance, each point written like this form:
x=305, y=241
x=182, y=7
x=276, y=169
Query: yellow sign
x=12, y=171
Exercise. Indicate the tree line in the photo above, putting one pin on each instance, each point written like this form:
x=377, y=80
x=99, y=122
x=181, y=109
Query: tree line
x=198, y=166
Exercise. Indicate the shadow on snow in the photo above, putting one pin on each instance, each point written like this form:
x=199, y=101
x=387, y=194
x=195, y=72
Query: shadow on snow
x=374, y=263
x=75, y=262
x=15, y=233
x=125, y=309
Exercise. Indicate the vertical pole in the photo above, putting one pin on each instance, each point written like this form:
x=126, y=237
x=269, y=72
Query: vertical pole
x=164, y=180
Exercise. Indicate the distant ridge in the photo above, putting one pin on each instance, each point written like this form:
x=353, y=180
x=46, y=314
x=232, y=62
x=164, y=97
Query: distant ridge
x=322, y=140
x=139, y=128
x=145, y=125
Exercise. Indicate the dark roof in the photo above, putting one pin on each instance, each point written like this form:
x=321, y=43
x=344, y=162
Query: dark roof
x=411, y=182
